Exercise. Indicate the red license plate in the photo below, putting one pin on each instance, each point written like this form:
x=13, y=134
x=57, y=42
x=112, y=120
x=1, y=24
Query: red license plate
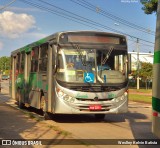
x=95, y=107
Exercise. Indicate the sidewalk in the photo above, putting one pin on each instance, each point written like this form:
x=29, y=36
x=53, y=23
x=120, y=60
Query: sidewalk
x=22, y=125
x=4, y=96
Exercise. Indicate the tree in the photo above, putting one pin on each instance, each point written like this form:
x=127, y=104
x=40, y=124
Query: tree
x=149, y=6
x=4, y=63
x=145, y=73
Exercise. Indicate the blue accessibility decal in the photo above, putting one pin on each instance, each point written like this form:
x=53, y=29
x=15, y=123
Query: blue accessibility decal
x=88, y=77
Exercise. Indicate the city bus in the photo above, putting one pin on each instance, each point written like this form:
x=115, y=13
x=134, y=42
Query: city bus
x=72, y=72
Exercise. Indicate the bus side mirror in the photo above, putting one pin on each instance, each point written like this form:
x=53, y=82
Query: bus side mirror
x=55, y=64
x=55, y=59
x=129, y=64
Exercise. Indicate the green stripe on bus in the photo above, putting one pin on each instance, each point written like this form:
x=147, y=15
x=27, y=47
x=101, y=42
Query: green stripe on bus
x=156, y=104
x=157, y=57
x=41, y=41
x=26, y=49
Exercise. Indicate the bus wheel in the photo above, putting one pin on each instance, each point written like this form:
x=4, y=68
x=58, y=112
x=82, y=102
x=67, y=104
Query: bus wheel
x=46, y=115
x=19, y=97
x=99, y=116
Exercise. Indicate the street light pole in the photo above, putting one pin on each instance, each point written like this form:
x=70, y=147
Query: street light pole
x=137, y=63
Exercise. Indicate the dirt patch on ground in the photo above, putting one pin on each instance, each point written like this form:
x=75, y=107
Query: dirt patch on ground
x=135, y=91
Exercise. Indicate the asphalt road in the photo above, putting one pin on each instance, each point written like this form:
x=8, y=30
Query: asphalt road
x=20, y=124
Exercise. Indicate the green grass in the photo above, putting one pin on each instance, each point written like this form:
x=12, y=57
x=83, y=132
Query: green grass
x=141, y=95
x=140, y=98
x=141, y=90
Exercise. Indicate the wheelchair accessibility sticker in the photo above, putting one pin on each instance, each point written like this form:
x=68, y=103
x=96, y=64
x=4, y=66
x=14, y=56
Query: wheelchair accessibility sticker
x=88, y=77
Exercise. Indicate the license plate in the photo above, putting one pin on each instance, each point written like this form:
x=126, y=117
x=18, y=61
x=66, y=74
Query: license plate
x=95, y=107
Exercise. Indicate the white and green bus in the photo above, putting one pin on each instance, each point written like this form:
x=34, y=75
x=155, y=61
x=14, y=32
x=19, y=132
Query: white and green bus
x=74, y=72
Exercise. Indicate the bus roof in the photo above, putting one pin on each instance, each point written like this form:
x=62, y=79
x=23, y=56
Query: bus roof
x=54, y=37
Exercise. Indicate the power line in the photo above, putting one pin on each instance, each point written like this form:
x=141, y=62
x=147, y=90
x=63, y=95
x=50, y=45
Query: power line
x=149, y=47
x=146, y=45
x=7, y=5
x=76, y=18
x=142, y=43
x=107, y=14
x=81, y=18
x=57, y=13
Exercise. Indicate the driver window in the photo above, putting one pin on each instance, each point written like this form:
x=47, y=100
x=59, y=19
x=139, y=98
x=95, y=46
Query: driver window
x=119, y=63
x=108, y=64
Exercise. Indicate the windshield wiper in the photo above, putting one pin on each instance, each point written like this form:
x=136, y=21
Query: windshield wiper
x=103, y=61
x=107, y=56
x=83, y=60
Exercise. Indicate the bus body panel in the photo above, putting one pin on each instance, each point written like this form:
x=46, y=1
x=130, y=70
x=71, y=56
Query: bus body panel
x=64, y=108
x=80, y=102
x=37, y=86
x=32, y=85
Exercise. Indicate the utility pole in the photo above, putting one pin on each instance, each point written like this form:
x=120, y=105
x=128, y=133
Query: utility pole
x=137, y=63
x=156, y=78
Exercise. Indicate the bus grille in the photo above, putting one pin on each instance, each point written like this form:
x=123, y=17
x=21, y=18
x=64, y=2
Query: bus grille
x=94, y=89
x=83, y=99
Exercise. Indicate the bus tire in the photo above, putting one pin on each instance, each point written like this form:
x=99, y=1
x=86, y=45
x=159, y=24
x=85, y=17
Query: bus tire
x=99, y=116
x=46, y=115
x=20, y=104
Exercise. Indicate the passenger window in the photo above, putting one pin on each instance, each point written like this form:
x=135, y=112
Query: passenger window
x=34, y=59
x=22, y=62
x=43, y=60
x=18, y=63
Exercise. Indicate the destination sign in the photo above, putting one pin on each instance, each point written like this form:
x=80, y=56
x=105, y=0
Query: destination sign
x=93, y=39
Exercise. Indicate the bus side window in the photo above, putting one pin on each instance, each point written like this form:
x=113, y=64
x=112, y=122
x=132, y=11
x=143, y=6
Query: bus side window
x=43, y=60
x=34, y=59
x=22, y=62
x=17, y=63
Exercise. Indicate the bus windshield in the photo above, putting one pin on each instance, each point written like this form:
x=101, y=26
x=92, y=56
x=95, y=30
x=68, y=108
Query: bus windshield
x=91, y=66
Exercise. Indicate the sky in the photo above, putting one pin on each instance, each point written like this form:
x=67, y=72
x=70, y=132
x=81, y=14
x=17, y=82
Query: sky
x=25, y=21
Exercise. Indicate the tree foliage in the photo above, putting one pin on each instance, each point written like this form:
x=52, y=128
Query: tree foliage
x=149, y=6
x=4, y=63
x=145, y=72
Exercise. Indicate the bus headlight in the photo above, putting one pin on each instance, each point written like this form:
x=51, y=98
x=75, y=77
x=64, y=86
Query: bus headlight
x=60, y=93
x=121, y=98
x=68, y=99
x=117, y=99
x=64, y=96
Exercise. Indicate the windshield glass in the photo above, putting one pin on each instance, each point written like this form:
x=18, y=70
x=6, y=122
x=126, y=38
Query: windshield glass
x=112, y=66
x=91, y=66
